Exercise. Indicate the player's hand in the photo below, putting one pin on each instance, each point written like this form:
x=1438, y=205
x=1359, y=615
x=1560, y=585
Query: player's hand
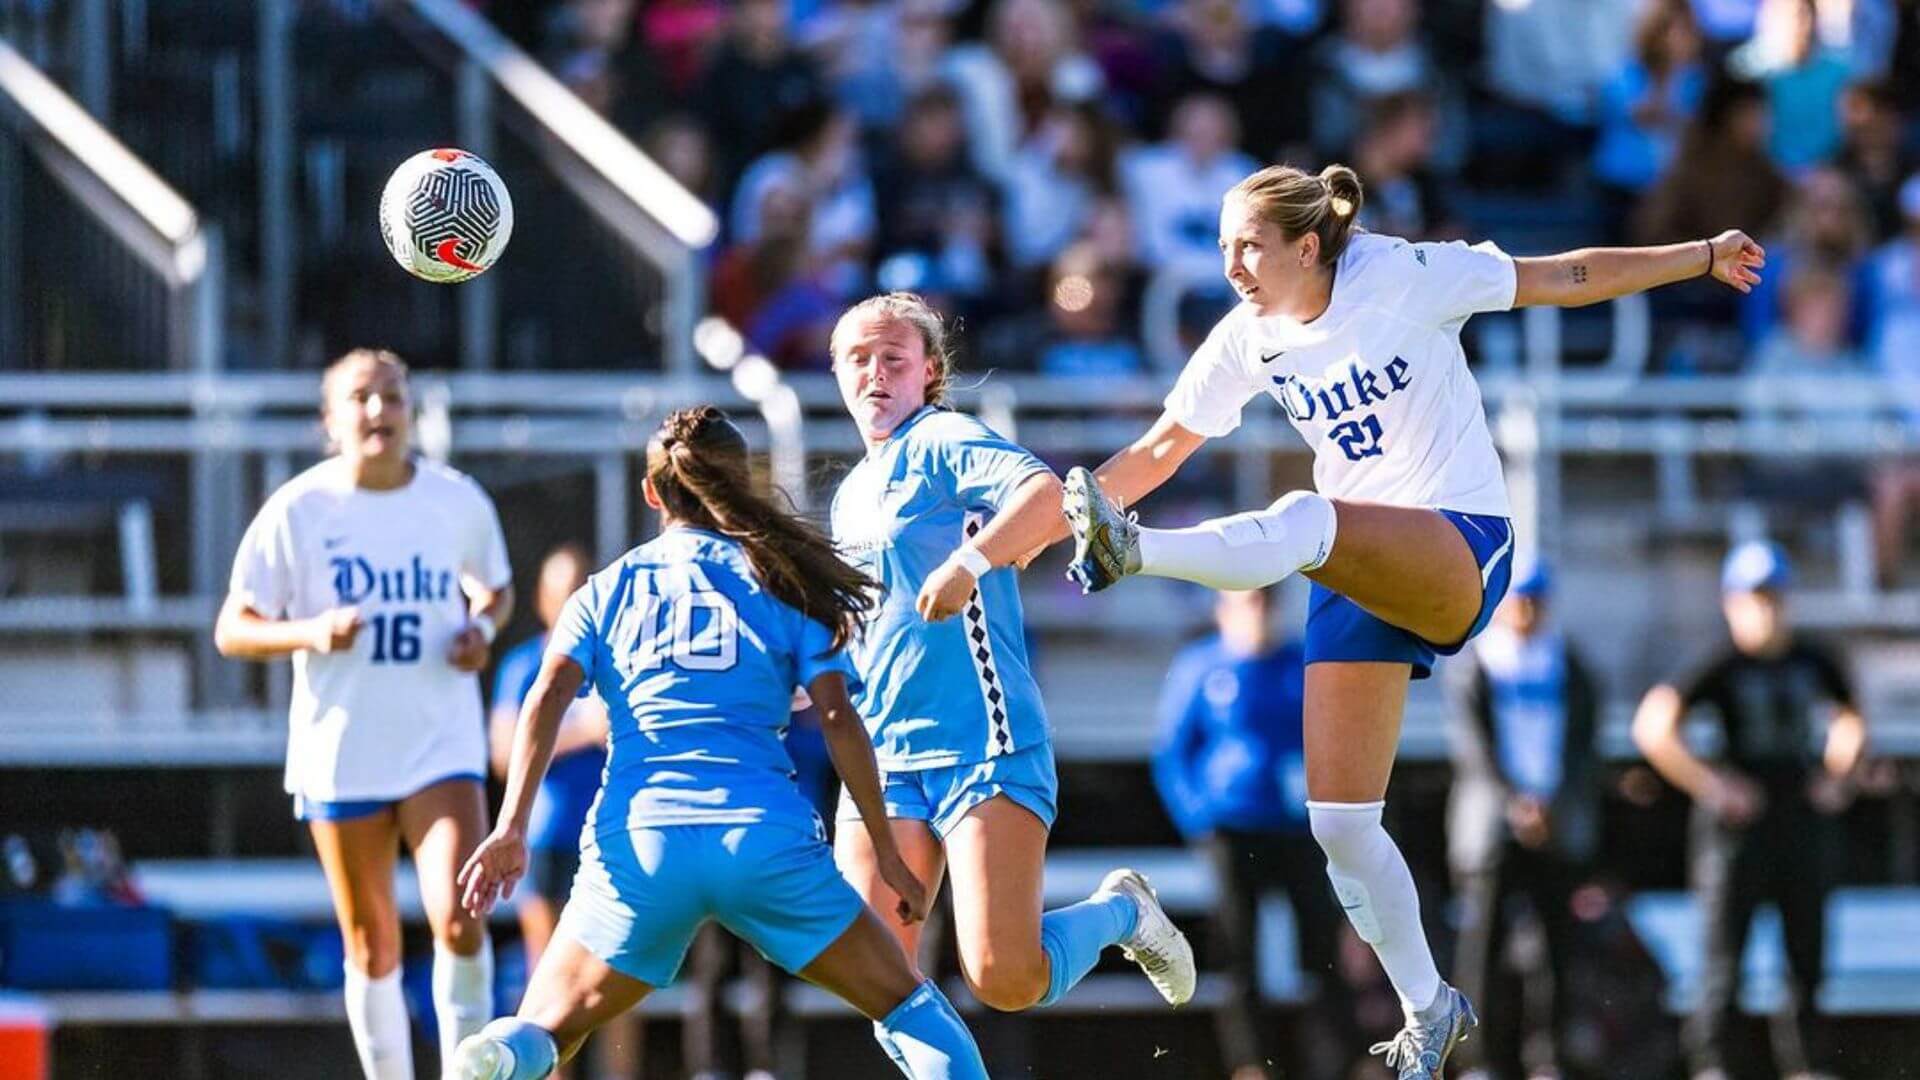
x=334, y=631
x=1734, y=799
x=912, y=907
x=1736, y=258
x=493, y=870
x=469, y=651
x=946, y=591
x=1527, y=817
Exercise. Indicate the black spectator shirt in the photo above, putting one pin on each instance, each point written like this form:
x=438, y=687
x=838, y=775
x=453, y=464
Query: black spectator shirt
x=1765, y=706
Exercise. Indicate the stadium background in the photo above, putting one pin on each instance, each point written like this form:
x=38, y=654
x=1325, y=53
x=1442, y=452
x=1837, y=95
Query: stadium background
x=187, y=196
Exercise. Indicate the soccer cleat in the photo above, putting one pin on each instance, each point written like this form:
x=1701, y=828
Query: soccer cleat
x=1420, y=1051
x=1157, y=945
x=1106, y=543
x=480, y=1057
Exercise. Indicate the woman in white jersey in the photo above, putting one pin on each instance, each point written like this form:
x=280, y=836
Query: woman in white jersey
x=1407, y=541
x=384, y=577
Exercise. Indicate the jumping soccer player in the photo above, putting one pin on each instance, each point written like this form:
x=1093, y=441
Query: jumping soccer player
x=1407, y=540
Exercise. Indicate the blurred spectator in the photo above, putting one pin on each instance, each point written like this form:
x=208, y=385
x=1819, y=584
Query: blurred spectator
x=1403, y=196
x=1894, y=352
x=755, y=78
x=816, y=154
x=1722, y=177
x=1232, y=772
x=1123, y=46
x=1762, y=825
x=683, y=34
x=877, y=53
x=1873, y=150
x=1214, y=48
x=591, y=45
x=679, y=145
x=1812, y=338
x=1377, y=52
x=705, y=1040
x=1824, y=222
x=933, y=203
x=1524, y=816
x=770, y=289
x=1546, y=62
x=1174, y=187
x=1645, y=106
x=1053, y=182
x=1009, y=82
x=1083, y=328
x=1803, y=76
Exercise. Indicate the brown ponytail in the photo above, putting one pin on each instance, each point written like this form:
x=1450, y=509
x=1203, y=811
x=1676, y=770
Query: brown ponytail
x=1298, y=203
x=697, y=463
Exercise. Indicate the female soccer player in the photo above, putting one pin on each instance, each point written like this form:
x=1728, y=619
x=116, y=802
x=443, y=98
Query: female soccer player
x=696, y=641
x=1407, y=541
x=955, y=715
x=384, y=577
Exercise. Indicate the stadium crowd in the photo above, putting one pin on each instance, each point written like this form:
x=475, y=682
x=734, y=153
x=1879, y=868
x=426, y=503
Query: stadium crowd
x=1033, y=163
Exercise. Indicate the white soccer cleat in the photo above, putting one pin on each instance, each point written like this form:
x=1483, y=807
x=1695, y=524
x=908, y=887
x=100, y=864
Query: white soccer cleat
x=479, y=1057
x=1157, y=945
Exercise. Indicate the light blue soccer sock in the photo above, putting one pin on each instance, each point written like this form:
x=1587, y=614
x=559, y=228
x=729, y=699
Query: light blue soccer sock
x=532, y=1047
x=931, y=1040
x=1074, y=937
x=892, y=1049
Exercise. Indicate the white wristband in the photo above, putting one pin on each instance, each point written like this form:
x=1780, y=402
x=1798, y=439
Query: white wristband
x=483, y=622
x=971, y=558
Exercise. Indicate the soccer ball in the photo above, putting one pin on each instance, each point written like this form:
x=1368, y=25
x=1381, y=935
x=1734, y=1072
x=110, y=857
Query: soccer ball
x=445, y=215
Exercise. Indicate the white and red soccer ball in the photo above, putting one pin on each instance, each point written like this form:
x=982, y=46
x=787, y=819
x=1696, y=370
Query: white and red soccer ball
x=445, y=215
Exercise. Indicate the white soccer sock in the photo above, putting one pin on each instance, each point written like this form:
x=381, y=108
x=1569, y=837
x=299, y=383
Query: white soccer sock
x=1245, y=551
x=1370, y=877
x=377, y=1016
x=462, y=993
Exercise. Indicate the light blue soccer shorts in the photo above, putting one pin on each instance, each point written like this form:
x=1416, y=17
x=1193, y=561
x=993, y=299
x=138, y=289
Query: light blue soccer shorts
x=942, y=797
x=1339, y=629
x=641, y=894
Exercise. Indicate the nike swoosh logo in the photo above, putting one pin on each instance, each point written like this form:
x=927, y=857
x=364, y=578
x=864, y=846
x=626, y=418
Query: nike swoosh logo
x=446, y=252
x=1271, y=357
x=332, y=542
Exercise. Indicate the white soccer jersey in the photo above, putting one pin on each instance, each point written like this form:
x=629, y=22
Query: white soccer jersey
x=1377, y=385
x=390, y=715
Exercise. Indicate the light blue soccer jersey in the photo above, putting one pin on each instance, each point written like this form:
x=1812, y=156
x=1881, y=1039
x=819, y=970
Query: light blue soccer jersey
x=936, y=695
x=697, y=664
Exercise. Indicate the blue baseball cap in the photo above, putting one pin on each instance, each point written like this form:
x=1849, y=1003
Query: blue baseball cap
x=1531, y=580
x=1756, y=565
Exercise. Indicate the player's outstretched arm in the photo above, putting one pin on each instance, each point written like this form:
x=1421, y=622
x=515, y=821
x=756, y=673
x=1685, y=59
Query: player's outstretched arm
x=1128, y=476
x=851, y=749
x=501, y=858
x=1590, y=275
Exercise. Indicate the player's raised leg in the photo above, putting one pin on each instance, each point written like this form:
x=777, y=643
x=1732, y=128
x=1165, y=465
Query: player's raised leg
x=1352, y=729
x=358, y=855
x=923, y=1034
x=572, y=993
x=1240, y=551
x=442, y=824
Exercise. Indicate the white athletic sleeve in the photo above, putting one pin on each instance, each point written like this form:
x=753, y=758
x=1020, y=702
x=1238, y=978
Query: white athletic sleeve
x=1451, y=281
x=485, y=561
x=1214, y=386
x=263, y=573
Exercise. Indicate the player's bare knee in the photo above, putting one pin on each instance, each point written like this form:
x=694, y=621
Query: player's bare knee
x=1008, y=986
x=372, y=950
x=460, y=933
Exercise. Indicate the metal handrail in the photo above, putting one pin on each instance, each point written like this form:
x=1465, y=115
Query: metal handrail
x=146, y=215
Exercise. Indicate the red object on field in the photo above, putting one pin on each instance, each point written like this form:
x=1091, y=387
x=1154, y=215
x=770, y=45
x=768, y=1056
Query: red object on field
x=26, y=1040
